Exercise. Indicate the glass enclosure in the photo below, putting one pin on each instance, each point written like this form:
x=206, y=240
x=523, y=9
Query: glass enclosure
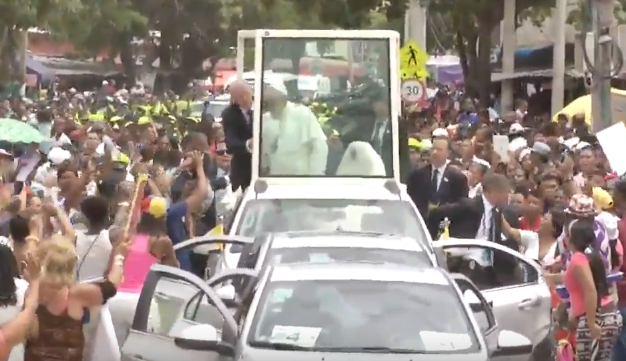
x=326, y=110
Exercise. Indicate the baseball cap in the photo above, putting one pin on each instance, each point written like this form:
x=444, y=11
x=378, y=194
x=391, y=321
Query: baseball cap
x=602, y=198
x=541, y=148
x=155, y=206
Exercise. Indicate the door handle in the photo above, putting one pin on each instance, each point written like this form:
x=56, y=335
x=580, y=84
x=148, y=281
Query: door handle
x=528, y=303
x=137, y=357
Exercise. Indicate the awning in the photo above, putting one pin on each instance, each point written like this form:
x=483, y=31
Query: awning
x=39, y=68
x=542, y=73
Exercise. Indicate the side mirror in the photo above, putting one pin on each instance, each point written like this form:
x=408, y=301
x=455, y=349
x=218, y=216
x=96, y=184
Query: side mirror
x=512, y=344
x=204, y=338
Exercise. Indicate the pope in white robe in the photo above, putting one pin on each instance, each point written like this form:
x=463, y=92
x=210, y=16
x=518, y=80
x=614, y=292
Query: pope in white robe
x=292, y=141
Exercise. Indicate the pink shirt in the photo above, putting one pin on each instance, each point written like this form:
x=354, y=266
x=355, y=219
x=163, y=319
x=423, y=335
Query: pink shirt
x=137, y=266
x=576, y=296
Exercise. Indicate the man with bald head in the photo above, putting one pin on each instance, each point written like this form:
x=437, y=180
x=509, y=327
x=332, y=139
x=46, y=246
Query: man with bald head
x=237, y=123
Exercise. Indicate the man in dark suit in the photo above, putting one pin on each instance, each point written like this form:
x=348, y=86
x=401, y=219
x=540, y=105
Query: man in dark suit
x=237, y=122
x=479, y=217
x=436, y=184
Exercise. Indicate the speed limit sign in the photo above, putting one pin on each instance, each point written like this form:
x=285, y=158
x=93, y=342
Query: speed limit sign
x=413, y=90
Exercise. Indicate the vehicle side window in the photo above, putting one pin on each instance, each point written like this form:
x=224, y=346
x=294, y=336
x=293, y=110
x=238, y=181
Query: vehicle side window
x=170, y=298
x=490, y=268
x=229, y=219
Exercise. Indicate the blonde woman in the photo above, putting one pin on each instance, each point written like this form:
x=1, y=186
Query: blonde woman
x=57, y=333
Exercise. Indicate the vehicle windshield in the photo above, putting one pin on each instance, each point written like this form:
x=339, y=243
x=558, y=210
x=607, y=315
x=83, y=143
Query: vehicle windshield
x=345, y=131
x=347, y=254
x=394, y=217
x=213, y=108
x=216, y=109
x=348, y=315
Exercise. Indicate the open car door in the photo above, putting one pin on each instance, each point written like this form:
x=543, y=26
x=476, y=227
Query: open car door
x=511, y=283
x=171, y=294
x=199, y=310
x=200, y=342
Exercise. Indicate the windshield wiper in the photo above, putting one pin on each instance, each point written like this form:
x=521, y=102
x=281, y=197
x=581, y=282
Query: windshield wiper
x=279, y=346
x=369, y=349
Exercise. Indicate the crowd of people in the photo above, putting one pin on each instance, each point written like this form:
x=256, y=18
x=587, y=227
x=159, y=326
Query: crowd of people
x=551, y=195
x=71, y=203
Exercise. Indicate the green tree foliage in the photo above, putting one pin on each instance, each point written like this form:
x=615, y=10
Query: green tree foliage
x=17, y=16
x=471, y=23
x=190, y=30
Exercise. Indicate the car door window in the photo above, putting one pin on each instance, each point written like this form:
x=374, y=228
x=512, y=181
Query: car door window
x=490, y=268
x=157, y=332
x=229, y=219
x=172, y=296
x=199, y=310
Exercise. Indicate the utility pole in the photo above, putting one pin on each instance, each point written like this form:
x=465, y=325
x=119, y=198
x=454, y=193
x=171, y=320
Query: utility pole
x=559, y=18
x=602, y=18
x=509, y=43
x=415, y=23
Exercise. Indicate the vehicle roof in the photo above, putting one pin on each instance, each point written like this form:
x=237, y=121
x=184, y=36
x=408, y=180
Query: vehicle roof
x=365, y=271
x=347, y=240
x=350, y=189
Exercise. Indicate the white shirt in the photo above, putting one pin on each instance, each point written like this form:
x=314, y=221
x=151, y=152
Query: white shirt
x=485, y=221
x=8, y=313
x=440, y=171
x=379, y=131
x=93, y=252
x=246, y=115
x=475, y=190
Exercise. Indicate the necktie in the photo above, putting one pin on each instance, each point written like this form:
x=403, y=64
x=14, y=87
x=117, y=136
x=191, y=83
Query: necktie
x=376, y=137
x=434, y=187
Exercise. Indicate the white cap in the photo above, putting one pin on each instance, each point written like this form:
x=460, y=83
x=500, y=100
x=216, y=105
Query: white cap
x=5, y=153
x=58, y=155
x=517, y=144
x=104, y=82
x=440, y=133
x=516, y=128
x=277, y=86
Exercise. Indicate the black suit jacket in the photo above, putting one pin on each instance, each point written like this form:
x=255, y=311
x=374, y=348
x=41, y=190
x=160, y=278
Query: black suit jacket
x=237, y=131
x=364, y=133
x=465, y=218
x=452, y=189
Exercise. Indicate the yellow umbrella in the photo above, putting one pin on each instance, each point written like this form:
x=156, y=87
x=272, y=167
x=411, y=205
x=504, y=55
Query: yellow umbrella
x=582, y=105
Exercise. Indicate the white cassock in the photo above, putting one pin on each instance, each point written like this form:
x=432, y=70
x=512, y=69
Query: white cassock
x=294, y=144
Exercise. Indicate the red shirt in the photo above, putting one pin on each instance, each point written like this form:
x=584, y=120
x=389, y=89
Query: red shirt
x=527, y=226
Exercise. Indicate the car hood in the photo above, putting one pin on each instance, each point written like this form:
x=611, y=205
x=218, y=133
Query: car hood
x=274, y=355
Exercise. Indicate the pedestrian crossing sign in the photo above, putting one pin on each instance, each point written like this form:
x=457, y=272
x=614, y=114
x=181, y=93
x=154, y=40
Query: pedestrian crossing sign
x=413, y=62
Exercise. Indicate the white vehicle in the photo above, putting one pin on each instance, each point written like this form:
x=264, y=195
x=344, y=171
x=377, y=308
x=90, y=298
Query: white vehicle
x=518, y=295
x=279, y=205
x=215, y=107
x=311, y=86
x=329, y=310
x=289, y=80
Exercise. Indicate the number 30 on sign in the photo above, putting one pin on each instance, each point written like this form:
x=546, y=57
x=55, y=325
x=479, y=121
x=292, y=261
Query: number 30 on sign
x=413, y=90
